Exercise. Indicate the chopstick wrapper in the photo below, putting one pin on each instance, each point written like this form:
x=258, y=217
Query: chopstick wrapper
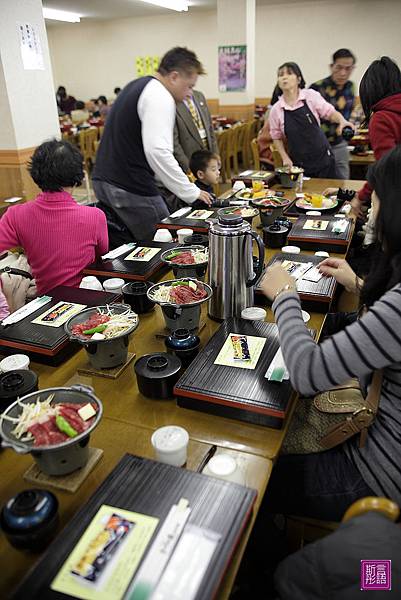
x=277, y=370
x=26, y=310
x=118, y=251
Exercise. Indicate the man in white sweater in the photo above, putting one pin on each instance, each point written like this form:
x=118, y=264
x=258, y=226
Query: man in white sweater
x=137, y=146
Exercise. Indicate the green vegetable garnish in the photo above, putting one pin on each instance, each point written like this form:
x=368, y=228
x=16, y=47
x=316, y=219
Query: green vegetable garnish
x=98, y=329
x=173, y=254
x=179, y=283
x=65, y=427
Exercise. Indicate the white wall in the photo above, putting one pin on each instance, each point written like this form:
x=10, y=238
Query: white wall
x=308, y=32
x=32, y=110
x=92, y=59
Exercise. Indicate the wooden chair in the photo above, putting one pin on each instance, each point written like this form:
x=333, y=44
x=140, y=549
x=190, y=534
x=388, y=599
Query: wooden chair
x=255, y=154
x=232, y=151
x=222, y=142
x=302, y=530
x=240, y=142
x=87, y=139
x=277, y=160
x=250, y=133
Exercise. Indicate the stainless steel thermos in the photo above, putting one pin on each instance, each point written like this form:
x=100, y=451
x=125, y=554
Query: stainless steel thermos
x=231, y=271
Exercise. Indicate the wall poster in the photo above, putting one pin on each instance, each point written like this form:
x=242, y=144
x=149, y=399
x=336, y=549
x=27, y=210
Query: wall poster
x=31, y=50
x=232, y=68
x=146, y=65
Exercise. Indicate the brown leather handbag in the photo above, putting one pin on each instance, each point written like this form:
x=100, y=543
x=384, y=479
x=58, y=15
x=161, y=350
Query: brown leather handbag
x=332, y=417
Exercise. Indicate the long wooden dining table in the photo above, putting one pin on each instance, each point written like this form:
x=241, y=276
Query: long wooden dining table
x=129, y=420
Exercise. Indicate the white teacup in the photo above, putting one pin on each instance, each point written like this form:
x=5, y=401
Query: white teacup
x=163, y=235
x=182, y=234
x=170, y=445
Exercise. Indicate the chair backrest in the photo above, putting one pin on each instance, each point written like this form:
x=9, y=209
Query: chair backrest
x=87, y=138
x=222, y=142
x=240, y=139
x=255, y=154
x=277, y=160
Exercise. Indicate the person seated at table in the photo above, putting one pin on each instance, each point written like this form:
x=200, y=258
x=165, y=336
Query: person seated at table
x=93, y=108
x=80, y=114
x=205, y=166
x=296, y=117
x=380, y=95
x=322, y=485
x=117, y=90
x=65, y=102
x=60, y=237
x=103, y=107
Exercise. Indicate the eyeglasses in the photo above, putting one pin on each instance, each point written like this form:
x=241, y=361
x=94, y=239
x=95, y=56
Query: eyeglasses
x=339, y=68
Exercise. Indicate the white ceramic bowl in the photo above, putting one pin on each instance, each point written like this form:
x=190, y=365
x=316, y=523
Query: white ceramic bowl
x=291, y=249
x=322, y=253
x=162, y=235
x=114, y=284
x=224, y=466
x=90, y=282
x=14, y=362
x=254, y=313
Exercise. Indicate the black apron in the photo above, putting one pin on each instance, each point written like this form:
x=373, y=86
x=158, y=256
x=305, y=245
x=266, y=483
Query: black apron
x=308, y=146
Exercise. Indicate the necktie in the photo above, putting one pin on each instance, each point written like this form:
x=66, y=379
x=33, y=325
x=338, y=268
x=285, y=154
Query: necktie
x=196, y=118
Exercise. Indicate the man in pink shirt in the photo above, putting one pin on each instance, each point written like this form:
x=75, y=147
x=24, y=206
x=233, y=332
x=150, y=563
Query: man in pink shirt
x=59, y=237
x=296, y=117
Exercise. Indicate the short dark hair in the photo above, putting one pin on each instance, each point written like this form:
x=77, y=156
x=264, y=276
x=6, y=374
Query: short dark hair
x=200, y=160
x=103, y=99
x=180, y=59
x=343, y=53
x=55, y=165
x=385, y=272
x=381, y=79
x=117, y=90
x=292, y=67
x=79, y=105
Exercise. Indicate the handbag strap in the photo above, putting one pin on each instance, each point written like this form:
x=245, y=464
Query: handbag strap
x=13, y=271
x=359, y=421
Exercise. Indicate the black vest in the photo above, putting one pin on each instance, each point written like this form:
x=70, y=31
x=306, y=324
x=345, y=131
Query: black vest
x=120, y=159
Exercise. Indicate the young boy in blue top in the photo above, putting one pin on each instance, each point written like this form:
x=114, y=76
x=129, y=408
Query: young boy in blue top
x=205, y=167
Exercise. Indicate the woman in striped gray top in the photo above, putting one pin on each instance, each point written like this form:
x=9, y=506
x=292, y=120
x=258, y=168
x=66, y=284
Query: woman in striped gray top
x=323, y=485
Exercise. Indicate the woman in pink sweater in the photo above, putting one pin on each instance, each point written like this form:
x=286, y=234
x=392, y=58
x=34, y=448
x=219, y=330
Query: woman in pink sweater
x=60, y=237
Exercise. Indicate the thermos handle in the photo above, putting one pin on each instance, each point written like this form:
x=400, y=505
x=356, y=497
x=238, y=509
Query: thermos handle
x=261, y=249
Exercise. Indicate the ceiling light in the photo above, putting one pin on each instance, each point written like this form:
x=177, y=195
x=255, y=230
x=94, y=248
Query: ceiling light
x=61, y=15
x=179, y=5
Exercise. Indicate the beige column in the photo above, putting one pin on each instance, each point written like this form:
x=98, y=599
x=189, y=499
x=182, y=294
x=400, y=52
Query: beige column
x=236, y=27
x=28, y=110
